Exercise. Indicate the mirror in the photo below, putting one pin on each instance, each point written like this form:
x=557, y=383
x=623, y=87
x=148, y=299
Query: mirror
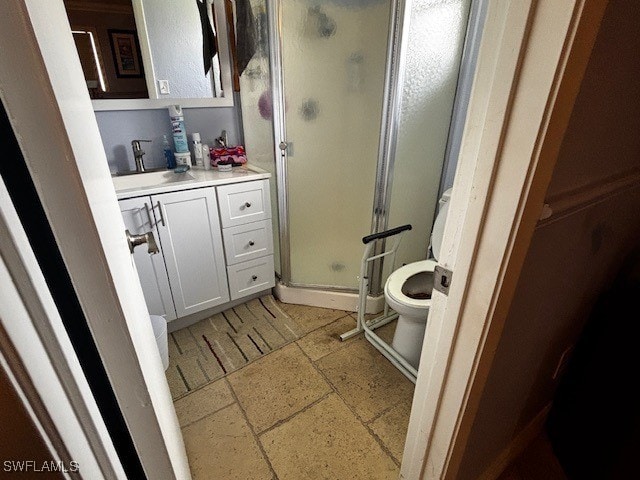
x=139, y=54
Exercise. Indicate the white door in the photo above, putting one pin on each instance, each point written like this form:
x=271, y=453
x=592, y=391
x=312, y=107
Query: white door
x=189, y=229
x=519, y=108
x=138, y=218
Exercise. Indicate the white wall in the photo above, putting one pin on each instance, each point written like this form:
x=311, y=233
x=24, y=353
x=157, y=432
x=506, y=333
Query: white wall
x=571, y=259
x=175, y=37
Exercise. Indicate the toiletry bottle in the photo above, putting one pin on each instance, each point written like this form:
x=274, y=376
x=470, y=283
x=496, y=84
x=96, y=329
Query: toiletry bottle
x=183, y=158
x=197, y=150
x=168, y=153
x=179, y=131
x=206, y=156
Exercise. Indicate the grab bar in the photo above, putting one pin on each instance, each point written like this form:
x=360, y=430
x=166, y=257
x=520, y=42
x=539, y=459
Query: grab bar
x=387, y=233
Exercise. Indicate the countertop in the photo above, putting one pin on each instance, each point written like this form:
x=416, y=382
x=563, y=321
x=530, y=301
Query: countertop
x=140, y=184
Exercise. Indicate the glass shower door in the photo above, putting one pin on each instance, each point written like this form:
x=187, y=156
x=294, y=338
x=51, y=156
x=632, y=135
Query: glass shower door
x=333, y=56
x=435, y=40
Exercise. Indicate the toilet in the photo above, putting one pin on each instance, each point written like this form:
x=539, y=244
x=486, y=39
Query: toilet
x=408, y=292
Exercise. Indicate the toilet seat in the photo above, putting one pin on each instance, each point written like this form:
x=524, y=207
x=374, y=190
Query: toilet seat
x=395, y=282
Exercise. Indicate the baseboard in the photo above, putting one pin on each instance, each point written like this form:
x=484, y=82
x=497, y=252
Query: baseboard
x=517, y=446
x=327, y=299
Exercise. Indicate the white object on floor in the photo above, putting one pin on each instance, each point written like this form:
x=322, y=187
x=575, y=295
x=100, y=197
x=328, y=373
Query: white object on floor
x=159, y=325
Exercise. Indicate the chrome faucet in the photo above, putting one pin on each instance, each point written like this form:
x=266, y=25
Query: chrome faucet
x=138, y=153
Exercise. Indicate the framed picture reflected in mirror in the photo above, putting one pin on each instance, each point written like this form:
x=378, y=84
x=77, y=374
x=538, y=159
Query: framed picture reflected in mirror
x=126, y=53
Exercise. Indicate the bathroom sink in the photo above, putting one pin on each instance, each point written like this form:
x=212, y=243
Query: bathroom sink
x=149, y=179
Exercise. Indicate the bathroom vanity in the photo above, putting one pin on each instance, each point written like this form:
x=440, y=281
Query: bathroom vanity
x=214, y=235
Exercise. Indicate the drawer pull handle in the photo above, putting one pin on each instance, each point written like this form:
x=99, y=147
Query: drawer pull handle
x=251, y=243
x=247, y=205
x=254, y=278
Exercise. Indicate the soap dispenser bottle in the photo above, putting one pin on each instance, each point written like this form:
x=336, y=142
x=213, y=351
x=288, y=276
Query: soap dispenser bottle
x=168, y=153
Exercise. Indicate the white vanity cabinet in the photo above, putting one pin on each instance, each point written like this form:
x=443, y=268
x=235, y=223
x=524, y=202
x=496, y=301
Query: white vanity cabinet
x=216, y=244
x=189, y=229
x=139, y=219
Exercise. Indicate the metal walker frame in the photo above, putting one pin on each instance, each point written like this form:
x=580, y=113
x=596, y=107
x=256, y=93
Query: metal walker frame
x=388, y=315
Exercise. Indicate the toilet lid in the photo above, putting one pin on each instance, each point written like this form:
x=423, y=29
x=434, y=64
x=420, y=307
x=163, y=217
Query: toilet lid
x=438, y=230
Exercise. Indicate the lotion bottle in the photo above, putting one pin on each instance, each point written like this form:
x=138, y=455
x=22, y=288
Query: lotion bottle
x=206, y=155
x=197, y=150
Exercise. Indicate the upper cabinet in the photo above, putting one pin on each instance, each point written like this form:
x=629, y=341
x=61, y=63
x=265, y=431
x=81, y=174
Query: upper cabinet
x=149, y=54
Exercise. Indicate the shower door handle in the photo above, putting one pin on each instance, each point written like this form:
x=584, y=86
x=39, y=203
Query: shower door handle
x=286, y=147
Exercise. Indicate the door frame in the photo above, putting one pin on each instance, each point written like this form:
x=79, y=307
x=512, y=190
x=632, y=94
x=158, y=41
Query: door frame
x=43, y=92
x=520, y=105
x=38, y=357
x=531, y=63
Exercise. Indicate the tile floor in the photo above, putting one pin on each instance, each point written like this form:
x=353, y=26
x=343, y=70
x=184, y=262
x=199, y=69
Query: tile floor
x=317, y=408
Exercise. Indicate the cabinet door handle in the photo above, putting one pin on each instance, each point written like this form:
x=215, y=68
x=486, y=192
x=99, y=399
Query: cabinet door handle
x=247, y=204
x=254, y=278
x=161, y=215
x=148, y=210
x=251, y=243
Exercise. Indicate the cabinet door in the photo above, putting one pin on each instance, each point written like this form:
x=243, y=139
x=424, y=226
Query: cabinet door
x=151, y=268
x=189, y=230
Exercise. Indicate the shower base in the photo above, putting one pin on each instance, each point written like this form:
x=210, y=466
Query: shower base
x=318, y=297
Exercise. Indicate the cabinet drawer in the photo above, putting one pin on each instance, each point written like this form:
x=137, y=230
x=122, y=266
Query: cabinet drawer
x=246, y=242
x=251, y=277
x=245, y=202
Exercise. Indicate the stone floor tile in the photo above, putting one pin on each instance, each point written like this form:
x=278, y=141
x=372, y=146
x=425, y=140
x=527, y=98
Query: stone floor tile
x=325, y=340
x=202, y=402
x=310, y=318
x=326, y=442
x=277, y=386
x=391, y=428
x=221, y=446
x=367, y=381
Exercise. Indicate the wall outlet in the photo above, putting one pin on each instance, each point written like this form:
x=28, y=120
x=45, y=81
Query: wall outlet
x=163, y=87
x=563, y=362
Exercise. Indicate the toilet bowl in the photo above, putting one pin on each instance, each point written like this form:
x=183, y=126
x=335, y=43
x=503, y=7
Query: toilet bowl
x=408, y=292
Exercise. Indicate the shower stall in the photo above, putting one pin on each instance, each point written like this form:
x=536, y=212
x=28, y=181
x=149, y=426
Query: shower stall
x=357, y=108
